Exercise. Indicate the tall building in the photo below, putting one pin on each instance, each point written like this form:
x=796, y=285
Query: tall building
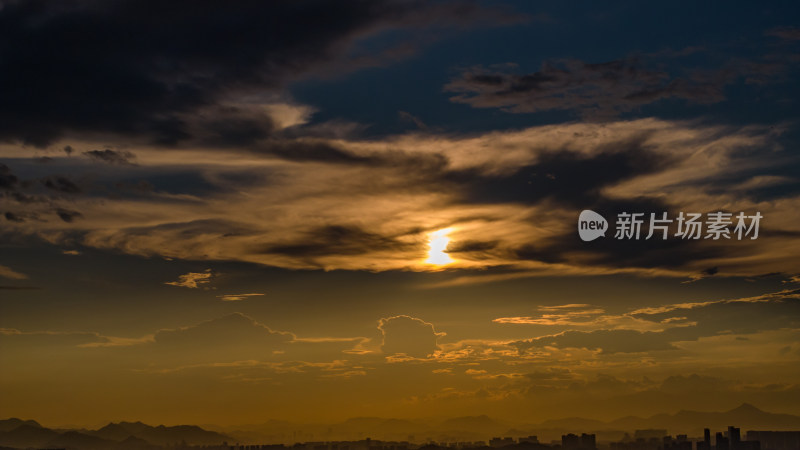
x=498, y=442
x=734, y=437
x=721, y=442
x=588, y=442
x=570, y=442
x=705, y=444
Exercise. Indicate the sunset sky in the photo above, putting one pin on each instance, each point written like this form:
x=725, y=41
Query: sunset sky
x=313, y=210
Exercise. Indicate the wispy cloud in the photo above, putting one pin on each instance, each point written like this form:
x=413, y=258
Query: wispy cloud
x=193, y=280
x=237, y=297
x=508, y=197
x=7, y=272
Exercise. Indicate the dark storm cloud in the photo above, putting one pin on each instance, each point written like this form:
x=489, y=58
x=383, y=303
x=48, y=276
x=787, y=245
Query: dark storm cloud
x=568, y=177
x=163, y=71
x=665, y=253
x=111, y=156
x=337, y=240
x=565, y=179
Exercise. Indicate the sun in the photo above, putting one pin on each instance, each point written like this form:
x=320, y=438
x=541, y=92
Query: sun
x=437, y=246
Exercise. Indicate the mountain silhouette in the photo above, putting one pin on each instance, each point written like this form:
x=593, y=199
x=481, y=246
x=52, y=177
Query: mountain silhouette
x=113, y=431
x=745, y=416
x=27, y=435
x=117, y=436
x=12, y=423
x=135, y=443
x=160, y=435
x=473, y=423
x=78, y=440
x=394, y=427
x=573, y=422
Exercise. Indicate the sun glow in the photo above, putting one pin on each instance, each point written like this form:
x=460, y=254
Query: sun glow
x=437, y=246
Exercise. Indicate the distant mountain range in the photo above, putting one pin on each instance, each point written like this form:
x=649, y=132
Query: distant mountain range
x=21, y=434
x=473, y=428
x=745, y=416
x=16, y=433
x=160, y=435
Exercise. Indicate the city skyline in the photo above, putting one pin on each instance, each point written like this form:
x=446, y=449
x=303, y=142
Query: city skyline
x=137, y=435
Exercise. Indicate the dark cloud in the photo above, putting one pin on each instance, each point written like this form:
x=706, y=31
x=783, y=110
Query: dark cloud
x=655, y=252
x=164, y=72
x=408, y=335
x=111, y=156
x=12, y=217
x=228, y=338
x=137, y=187
x=605, y=88
x=563, y=179
x=61, y=184
x=472, y=246
x=24, y=198
x=7, y=179
x=336, y=240
x=67, y=215
x=568, y=177
x=318, y=150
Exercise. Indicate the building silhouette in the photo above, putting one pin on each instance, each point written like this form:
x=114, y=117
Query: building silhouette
x=574, y=442
x=775, y=440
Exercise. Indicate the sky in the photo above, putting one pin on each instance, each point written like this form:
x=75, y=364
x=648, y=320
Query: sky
x=316, y=210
